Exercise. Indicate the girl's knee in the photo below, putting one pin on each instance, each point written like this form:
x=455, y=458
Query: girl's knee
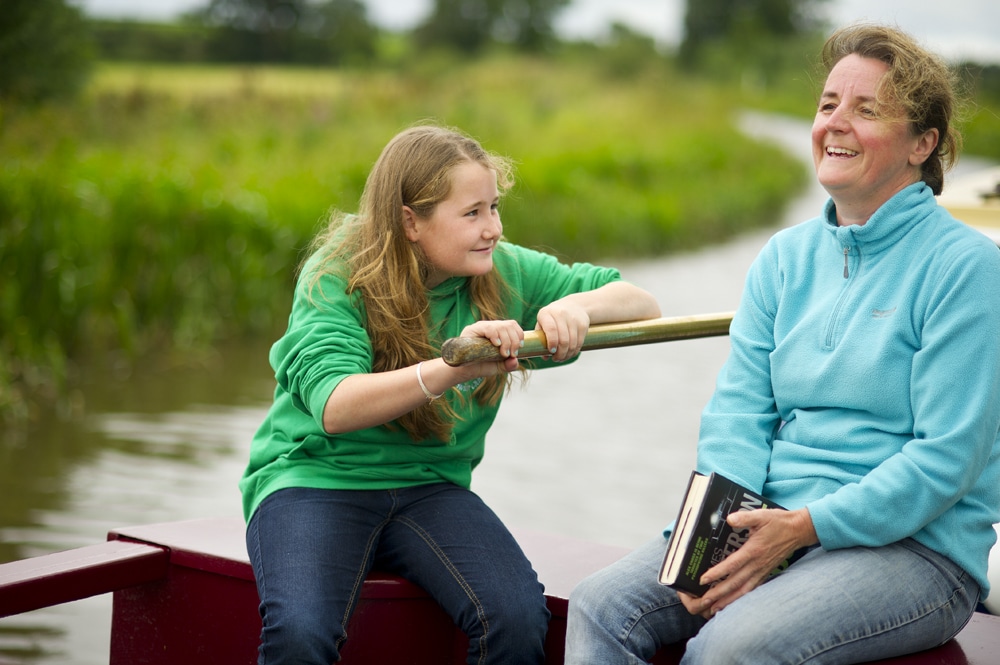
x=300, y=640
x=510, y=632
x=529, y=617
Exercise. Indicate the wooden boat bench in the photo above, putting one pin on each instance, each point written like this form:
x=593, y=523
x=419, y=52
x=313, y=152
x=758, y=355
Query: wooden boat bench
x=184, y=593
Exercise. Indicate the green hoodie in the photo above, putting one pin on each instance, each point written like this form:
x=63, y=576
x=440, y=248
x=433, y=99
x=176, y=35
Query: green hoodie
x=326, y=342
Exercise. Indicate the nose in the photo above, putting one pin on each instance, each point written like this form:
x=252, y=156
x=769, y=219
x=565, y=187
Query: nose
x=838, y=120
x=494, y=228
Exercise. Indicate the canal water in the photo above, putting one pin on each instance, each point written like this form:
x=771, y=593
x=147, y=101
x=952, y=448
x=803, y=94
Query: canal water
x=600, y=449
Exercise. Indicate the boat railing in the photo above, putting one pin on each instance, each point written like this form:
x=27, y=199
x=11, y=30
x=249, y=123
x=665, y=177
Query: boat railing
x=63, y=577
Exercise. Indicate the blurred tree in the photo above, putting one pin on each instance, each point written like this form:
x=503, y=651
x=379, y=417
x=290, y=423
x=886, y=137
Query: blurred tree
x=707, y=23
x=251, y=30
x=330, y=32
x=45, y=50
x=628, y=52
x=134, y=41
x=470, y=25
x=342, y=26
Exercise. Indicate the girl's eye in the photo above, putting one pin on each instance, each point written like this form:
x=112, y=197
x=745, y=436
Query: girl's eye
x=828, y=107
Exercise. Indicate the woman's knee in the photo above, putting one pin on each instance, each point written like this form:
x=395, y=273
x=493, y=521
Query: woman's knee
x=591, y=598
x=608, y=595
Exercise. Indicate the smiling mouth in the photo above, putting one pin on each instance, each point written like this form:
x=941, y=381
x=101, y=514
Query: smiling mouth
x=840, y=152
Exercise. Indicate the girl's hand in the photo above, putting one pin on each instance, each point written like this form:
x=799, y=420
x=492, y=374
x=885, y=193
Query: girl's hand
x=566, y=321
x=565, y=324
x=507, y=336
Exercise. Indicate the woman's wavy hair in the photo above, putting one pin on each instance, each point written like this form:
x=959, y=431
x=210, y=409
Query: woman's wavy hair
x=371, y=251
x=918, y=83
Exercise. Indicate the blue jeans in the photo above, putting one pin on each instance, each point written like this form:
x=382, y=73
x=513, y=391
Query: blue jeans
x=841, y=606
x=311, y=550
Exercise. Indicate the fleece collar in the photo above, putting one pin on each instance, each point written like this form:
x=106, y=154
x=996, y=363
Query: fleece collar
x=897, y=216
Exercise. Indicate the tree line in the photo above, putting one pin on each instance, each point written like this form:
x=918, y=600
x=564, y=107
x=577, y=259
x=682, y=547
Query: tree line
x=48, y=46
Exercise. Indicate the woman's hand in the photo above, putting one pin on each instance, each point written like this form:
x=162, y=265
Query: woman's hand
x=774, y=535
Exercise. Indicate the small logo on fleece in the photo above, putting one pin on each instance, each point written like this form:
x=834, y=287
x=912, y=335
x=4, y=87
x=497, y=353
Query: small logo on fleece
x=883, y=313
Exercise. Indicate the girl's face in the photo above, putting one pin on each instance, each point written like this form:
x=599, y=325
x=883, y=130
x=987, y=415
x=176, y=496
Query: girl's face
x=862, y=158
x=458, y=238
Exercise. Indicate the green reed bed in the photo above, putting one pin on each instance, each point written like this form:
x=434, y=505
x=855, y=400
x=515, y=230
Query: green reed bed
x=169, y=208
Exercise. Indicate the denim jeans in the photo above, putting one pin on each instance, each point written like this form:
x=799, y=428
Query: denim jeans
x=311, y=550
x=840, y=606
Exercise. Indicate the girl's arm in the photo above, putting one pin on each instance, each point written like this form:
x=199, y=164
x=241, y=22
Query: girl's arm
x=565, y=321
x=367, y=400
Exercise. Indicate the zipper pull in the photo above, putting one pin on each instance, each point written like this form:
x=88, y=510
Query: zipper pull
x=846, y=274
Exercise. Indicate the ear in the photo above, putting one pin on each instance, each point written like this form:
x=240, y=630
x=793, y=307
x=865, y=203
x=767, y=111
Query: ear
x=410, y=224
x=924, y=146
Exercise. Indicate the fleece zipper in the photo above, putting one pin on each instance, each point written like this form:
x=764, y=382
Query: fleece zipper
x=849, y=277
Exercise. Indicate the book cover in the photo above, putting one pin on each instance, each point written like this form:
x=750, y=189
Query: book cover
x=702, y=537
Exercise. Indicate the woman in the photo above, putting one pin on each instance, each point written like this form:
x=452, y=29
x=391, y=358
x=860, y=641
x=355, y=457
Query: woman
x=365, y=457
x=862, y=392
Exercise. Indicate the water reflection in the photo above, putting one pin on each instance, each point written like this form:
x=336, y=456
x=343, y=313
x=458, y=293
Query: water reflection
x=167, y=444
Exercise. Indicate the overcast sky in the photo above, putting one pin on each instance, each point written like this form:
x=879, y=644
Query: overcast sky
x=957, y=29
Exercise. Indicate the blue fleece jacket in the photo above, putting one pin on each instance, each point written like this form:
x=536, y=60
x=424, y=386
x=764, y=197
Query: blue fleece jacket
x=863, y=381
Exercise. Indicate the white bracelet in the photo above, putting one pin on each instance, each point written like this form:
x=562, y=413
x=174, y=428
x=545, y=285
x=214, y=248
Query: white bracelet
x=420, y=379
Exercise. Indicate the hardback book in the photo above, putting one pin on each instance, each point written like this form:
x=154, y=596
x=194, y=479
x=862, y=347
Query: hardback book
x=702, y=537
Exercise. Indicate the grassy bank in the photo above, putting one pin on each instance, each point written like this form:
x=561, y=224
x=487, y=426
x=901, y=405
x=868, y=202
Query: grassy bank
x=168, y=208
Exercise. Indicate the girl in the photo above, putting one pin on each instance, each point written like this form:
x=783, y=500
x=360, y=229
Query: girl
x=365, y=457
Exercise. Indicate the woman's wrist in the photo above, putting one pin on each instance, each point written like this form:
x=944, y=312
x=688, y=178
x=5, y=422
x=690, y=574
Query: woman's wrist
x=804, y=529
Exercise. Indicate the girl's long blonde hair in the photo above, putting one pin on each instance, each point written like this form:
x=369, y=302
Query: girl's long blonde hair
x=389, y=272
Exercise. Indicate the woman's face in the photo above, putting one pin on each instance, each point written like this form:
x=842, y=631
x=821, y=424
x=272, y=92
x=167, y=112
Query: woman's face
x=459, y=236
x=863, y=159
